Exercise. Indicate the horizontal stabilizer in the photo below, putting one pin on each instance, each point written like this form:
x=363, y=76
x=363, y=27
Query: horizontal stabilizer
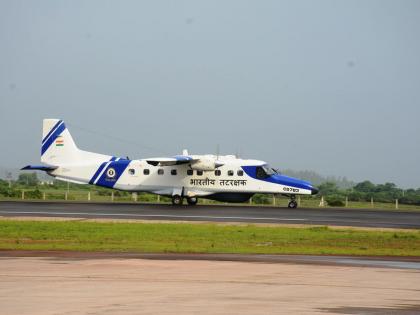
x=39, y=168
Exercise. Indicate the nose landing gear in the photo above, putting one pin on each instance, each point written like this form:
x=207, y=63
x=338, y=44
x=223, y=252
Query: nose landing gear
x=292, y=204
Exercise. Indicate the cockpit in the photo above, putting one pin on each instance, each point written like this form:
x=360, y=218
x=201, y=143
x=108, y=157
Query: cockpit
x=265, y=171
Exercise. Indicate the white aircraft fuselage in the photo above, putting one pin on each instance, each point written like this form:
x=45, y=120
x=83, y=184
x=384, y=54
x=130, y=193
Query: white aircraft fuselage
x=223, y=178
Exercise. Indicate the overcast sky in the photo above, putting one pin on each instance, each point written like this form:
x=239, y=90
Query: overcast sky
x=329, y=86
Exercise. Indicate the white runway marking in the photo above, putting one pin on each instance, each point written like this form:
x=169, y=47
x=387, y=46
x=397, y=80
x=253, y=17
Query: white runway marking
x=359, y=221
x=147, y=215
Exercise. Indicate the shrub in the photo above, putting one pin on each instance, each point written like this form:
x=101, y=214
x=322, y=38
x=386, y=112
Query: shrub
x=33, y=194
x=103, y=192
x=10, y=192
x=410, y=200
x=148, y=197
x=335, y=201
x=262, y=199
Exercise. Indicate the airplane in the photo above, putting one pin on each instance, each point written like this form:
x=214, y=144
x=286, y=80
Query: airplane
x=222, y=178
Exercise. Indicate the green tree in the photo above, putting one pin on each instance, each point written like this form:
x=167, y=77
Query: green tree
x=328, y=188
x=366, y=186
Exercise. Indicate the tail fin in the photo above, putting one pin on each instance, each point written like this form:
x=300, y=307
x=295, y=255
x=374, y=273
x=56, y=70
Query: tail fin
x=58, y=146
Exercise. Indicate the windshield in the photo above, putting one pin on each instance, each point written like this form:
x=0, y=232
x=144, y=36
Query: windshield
x=268, y=170
x=276, y=171
x=265, y=171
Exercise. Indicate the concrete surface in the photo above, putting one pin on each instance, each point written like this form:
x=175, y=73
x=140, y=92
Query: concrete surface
x=65, y=286
x=316, y=216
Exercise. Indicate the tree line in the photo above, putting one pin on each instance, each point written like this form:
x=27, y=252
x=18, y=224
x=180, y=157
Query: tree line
x=367, y=190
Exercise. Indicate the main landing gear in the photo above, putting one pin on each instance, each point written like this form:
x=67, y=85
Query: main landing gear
x=292, y=204
x=177, y=200
x=192, y=201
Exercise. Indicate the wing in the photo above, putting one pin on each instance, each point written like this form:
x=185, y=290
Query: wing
x=176, y=160
x=201, y=163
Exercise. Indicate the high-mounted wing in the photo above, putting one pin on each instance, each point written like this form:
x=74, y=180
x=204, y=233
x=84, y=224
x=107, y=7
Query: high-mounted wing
x=196, y=162
x=202, y=163
x=176, y=160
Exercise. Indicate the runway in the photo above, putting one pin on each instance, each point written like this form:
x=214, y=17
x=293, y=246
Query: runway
x=409, y=263
x=215, y=213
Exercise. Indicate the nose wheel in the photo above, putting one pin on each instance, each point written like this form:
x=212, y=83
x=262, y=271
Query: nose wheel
x=292, y=203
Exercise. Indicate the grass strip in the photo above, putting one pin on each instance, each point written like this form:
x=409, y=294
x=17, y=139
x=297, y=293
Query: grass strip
x=203, y=238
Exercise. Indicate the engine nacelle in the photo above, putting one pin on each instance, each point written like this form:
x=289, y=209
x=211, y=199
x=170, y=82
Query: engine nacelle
x=206, y=165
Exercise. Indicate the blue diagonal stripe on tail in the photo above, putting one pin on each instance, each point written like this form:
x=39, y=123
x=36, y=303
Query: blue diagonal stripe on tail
x=51, y=131
x=52, y=138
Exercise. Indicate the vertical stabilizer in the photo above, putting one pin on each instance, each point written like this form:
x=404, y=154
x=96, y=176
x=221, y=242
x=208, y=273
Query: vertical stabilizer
x=58, y=146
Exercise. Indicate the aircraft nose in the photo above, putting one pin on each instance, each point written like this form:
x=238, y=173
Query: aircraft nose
x=314, y=191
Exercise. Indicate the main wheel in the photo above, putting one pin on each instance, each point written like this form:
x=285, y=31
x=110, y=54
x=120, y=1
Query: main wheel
x=292, y=204
x=192, y=201
x=177, y=200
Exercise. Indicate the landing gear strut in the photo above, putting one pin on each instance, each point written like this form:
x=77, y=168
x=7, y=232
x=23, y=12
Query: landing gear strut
x=292, y=204
x=177, y=200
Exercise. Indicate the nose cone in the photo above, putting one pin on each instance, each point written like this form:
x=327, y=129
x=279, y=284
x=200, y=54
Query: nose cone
x=314, y=191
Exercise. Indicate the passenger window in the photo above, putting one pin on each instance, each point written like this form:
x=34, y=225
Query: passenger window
x=146, y=171
x=217, y=172
x=230, y=173
x=199, y=173
x=190, y=172
x=160, y=171
x=173, y=172
x=240, y=173
x=131, y=171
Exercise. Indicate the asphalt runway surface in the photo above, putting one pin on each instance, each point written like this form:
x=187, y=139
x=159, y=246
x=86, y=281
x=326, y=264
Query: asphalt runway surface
x=410, y=263
x=215, y=213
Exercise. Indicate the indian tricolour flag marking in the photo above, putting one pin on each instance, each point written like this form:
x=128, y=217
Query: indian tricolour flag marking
x=59, y=142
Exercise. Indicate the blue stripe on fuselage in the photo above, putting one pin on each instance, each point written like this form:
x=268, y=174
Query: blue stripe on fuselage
x=119, y=167
x=278, y=179
x=99, y=170
x=58, y=131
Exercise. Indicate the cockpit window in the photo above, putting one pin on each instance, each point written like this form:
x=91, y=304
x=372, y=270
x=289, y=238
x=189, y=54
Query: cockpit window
x=264, y=171
x=276, y=171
